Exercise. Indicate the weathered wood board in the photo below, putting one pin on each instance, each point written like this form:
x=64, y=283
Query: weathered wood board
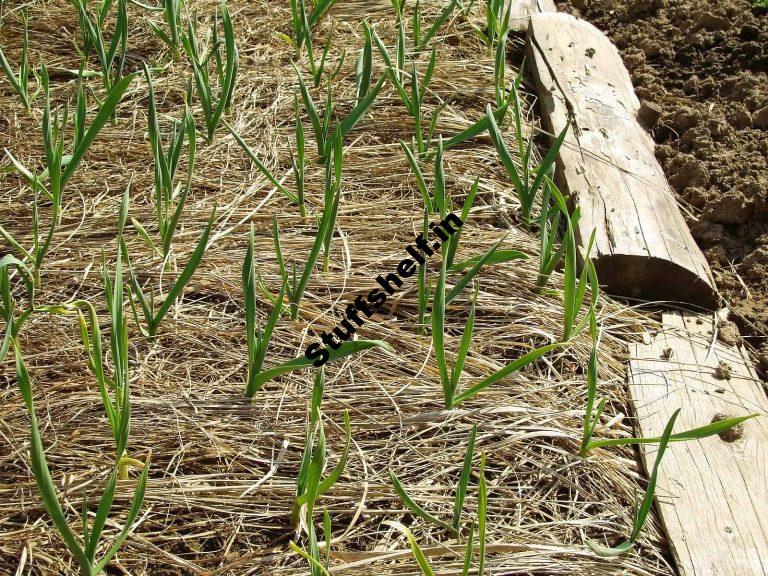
x=644, y=248
x=712, y=494
x=521, y=12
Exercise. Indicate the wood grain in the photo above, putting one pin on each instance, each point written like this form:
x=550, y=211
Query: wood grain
x=712, y=495
x=644, y=248
x=522, y=9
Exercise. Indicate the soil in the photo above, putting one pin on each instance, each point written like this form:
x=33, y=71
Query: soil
x=706, y=66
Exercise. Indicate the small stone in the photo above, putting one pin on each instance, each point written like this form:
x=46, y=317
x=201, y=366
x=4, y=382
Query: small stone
x=590, y=52
x=648, y=114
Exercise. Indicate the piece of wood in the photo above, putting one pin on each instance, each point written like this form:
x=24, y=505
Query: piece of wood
x=644, y=248
x=521, y=11
x=712, y=494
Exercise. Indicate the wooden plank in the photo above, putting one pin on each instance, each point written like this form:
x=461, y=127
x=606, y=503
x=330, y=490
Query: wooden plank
x=712, y=494
x=644, y=248
x=521, y=11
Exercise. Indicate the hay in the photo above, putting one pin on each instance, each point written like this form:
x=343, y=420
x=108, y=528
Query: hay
x=223, y=471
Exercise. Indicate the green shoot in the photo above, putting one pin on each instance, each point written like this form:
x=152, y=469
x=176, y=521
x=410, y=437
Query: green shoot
x=418, y=510
x=591, y=416
x=479, y=127
x=170, y=197
x=269, y=175
x=417, y=96
x=118, y=383
x=450, y=377
x=499, y=72
x=424, y=286
x=321, y=125
x=85, y=554
x=153, y=315
x=346, y=349
x=421, y=41
x=258, y=340
x=499, y=256
x=453, y=241
x=418, y=554
x=492, y=255
x=575, y=284
x=304, y=21
x=111, y=55
x=641, y=514
x=20, y=81
x=447, y=375
x=7, y=302
x=421, y=182
x=527, y=190
x=51, y=183
x=712, y=429
x=318, y=67
x=298, y=159
x=215, y=103
x=461, y=489
x=364, y=66
x=482, y=511
x=333, y=170
x=413, y=101
x=316, y=564
x=497, y=15
x=310, y=485
x=454, y=528
x=295, y=289
x=172, y=19
x=549, y=224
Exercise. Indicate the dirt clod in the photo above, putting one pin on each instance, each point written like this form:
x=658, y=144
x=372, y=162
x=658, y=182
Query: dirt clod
x=723, y=371
x=731, y=434
x=728, y=333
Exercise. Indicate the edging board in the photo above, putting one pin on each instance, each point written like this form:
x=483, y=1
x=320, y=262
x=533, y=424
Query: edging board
x=712, y=494
x=521, y=12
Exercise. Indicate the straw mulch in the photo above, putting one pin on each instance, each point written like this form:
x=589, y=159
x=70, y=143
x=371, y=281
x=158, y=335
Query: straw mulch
x=223, y=469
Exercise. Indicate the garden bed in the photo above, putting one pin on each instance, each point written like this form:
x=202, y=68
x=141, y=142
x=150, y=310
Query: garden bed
x=222, y=480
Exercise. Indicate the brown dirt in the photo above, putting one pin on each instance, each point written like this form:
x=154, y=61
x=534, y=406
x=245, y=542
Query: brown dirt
x=705, y=65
